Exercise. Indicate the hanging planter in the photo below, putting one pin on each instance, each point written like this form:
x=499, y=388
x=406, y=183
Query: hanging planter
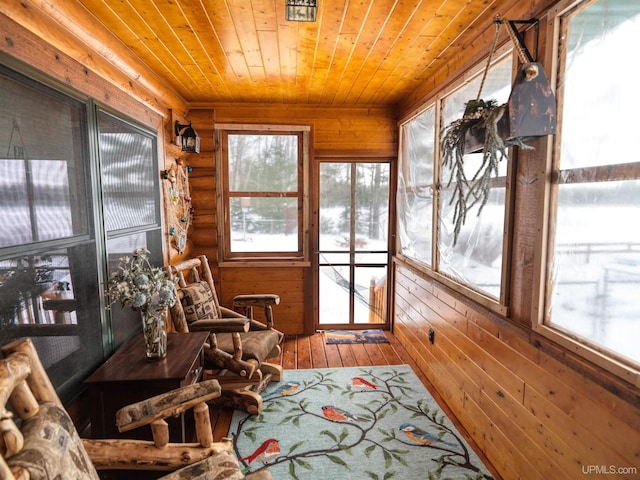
x=480, y=125
x=491, y=129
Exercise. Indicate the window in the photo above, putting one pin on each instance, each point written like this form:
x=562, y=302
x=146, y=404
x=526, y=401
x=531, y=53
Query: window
x=593, y=270
x=416, y=187
x=476, y=258
x=130, y=186
x=48, y=258
x=59, y=233
x=263, y=191
x=476, y=261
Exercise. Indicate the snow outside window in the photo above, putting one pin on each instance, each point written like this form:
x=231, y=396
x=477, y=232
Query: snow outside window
x=594, y=266
x=476, y=261
x=263, y=192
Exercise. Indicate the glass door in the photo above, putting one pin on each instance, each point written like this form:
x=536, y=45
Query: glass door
x=353, y=244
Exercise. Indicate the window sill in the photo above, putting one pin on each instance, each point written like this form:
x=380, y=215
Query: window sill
x=266, y=263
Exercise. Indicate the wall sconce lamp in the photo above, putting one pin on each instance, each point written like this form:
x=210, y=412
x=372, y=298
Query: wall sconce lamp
x=302, y=10
x=189, y=137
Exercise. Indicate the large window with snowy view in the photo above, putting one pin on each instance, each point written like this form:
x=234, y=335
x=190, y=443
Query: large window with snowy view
x=593, y=272
x=263, y=175
x=475, y=256
x=473, y=260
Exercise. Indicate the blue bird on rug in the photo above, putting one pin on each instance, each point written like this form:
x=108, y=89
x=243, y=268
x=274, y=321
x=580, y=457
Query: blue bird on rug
x=269, y=449
x=420, y=436
x=285, y=389
x=336, y=414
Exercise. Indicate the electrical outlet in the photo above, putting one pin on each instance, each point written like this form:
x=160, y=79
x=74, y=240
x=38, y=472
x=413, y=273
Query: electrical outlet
x=432, y=336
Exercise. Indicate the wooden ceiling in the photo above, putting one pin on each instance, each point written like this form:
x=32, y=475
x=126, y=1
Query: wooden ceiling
x=357, y=53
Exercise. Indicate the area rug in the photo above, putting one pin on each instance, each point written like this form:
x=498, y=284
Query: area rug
x=352, y=423
x=354, y=336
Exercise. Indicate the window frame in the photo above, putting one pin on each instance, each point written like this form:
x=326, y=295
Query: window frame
x=122, y=323
x=69, y=371
x=224, y=195
x=551, y=177
x=498, y=305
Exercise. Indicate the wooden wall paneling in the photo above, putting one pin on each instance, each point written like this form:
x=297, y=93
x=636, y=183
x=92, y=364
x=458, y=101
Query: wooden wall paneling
x=456, y=382
x=452, y=340
x=574, y=442
x=336, y=130
x=283, y=281
x=513, y=394
x=508, y=417
x=203, y=237
x=586, y=403
x=507, y=457
x=25, y=46
x=412, y=330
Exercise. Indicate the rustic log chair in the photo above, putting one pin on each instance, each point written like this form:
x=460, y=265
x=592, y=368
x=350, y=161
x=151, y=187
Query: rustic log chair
x=43, y=442
x=238, y=345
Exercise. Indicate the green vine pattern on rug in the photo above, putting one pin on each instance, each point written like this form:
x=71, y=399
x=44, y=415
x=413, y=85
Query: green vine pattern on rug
x=373, y=405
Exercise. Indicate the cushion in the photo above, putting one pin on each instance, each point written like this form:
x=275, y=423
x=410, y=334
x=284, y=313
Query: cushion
x=223, y=465
x=256, y=345
x=198, y=303
x=52, y=447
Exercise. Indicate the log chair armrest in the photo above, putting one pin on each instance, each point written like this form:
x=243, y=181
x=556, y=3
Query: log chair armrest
x=166, y=405
x=221, y=325
x=256, y=300
x=227, y=312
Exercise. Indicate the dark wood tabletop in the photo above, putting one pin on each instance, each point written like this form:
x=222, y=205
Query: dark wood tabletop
x=130, y=363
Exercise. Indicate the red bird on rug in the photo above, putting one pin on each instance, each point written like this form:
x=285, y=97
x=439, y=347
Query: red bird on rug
x=362, y=384
x=269, y=449
x=336, y=414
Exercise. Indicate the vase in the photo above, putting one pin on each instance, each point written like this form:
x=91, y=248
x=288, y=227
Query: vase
x=155, y=335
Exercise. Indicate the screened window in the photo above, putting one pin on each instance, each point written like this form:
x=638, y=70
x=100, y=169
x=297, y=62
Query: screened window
x=425, y=195
x=48, y=258
x=594, y=266
x=130, y=186
x=263, y=192
x=129, y=183
x=60, y=236
x=476, y=258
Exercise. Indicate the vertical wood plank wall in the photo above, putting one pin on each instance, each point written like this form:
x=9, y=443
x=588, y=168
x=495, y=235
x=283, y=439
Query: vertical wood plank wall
x=344, y=133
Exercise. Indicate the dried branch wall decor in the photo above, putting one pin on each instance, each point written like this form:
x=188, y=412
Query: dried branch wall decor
x=179, y=210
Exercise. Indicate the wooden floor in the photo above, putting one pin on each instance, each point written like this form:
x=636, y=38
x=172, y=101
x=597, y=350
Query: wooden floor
x=300, y=352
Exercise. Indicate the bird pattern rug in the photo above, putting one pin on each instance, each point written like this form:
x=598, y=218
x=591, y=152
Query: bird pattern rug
x=373, y=423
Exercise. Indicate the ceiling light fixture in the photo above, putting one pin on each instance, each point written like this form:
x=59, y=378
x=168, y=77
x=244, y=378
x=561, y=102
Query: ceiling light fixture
x=302, y=10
